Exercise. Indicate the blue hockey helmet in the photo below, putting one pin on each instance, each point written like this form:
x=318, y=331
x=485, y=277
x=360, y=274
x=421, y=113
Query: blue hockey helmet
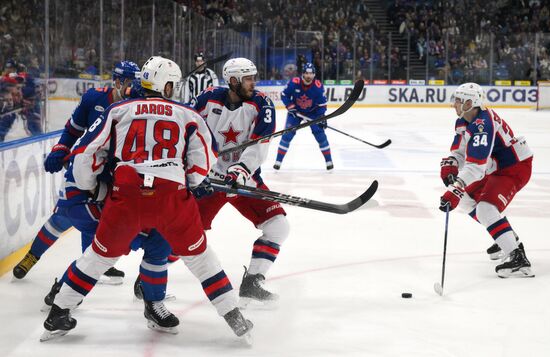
x=126, y=70
x=309, y=68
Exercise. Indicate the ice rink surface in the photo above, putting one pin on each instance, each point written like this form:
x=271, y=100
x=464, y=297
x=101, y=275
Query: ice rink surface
x=340, y=277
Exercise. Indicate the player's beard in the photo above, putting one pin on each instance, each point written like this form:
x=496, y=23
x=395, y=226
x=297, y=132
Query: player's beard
x=239, y=90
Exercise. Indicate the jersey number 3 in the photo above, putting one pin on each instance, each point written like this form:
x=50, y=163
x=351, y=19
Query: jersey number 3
x=136, y=144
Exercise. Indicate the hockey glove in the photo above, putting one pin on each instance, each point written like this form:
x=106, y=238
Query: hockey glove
x=54, y=161
x=292, y=110
x=237, y=174
x=204, y=189
x=449, y=170
x=451, y=198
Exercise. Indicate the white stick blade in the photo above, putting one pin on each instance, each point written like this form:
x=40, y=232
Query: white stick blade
x=438, y=289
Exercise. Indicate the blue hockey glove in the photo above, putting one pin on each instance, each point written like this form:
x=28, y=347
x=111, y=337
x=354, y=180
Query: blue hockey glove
x=204, y=189
x=54, y=161
x=237, y=174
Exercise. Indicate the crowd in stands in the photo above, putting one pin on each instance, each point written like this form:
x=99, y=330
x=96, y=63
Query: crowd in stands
x=455, y=37
x=464, y=31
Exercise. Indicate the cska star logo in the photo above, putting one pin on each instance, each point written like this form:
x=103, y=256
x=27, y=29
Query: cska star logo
x=209, y=89
x=479, y=121
x=304, y=102
x=230, y=135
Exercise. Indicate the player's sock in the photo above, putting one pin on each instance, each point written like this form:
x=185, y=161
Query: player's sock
x=154, y=277
x=207, y=268
x=81, y=277
x=281, y=152
x=502, y=233
x=47, y=236
x=264, y=254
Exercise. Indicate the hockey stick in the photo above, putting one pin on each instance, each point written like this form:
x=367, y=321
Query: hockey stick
x=437, y=286
x=209, y=63
x=381, y=146
x=356, y=92
x=260, y=194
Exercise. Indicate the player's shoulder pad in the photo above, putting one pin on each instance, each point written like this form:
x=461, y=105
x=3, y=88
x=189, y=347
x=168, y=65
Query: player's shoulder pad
x=261, y=99
x=214, y=93
x=481, y=122
x=94, y=93
x=295, y=80
x=318, y=83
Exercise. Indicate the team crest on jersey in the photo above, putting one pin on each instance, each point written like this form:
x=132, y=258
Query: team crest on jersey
x=304, y=102
x=480, y=128
x=230, y=135
x=479, y=121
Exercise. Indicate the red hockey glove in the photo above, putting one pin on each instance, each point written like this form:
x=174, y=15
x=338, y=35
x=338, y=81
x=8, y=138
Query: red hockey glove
x=449, y=170
x=237, y=174
x=451, y=198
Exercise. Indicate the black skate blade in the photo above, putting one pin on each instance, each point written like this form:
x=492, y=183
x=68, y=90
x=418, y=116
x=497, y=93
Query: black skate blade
x=154, y=326
x=524, y=272
x=51, y=335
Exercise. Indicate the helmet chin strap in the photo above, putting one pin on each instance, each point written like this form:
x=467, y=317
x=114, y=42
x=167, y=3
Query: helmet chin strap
x=462, y=111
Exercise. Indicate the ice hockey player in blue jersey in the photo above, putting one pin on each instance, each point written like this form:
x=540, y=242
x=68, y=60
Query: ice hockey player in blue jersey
x=304, y=99
x=91, y=105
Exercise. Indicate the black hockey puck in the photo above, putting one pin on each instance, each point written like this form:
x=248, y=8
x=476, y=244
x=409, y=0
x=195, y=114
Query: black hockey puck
x=406, y=295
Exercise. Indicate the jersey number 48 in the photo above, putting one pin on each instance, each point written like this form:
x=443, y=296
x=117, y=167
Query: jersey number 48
x=137, y=144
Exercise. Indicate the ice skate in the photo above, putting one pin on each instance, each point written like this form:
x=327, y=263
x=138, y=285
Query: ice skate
x=49, y=299
x=21, y=269
x=113, y=276
x=58, y=323
x=495, y=252
x=252, y=291
x=277, y=165
x=159, y=318
x=516, y=264
x=330, y=165
x=138, y=292
x=240, y=326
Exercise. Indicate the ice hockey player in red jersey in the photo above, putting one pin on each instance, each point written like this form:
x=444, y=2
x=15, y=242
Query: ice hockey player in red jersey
x=162, y=151
x=487, y=166
x=235, y=115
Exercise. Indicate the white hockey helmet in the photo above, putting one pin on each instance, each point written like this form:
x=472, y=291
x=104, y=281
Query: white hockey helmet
x=157, y=71
x=470, y=91
x=238, y=68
